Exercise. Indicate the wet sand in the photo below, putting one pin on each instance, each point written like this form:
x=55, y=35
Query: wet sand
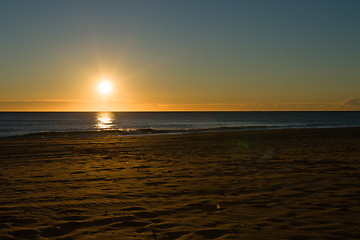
x=271, y=184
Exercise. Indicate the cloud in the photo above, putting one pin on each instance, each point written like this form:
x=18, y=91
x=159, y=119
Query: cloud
x=44, y=100
x=131, y=105
x=39, y=105
x=250, y=107
x=68, y=105
x=352, y=104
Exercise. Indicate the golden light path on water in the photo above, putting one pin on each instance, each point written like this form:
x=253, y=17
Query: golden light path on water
x=105, y=120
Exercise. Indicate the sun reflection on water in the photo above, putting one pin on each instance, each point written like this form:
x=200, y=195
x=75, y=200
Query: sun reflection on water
x=105, y=120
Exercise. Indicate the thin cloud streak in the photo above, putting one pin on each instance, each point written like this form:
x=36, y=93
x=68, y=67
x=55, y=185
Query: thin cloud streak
x=129, y=105
x=47, y=100
x=261, y=107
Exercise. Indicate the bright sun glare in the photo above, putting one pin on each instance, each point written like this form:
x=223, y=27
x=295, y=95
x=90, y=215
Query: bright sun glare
x=105, y=87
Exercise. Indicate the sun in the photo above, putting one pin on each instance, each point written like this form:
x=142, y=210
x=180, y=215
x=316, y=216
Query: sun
x=105, y=86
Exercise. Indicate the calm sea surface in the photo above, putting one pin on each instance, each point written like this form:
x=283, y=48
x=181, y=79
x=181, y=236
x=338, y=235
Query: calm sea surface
x=20, y=123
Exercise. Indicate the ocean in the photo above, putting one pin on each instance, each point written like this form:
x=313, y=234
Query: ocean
x=132, y=123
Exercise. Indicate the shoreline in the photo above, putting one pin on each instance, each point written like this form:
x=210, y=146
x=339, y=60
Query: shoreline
x=246, y=184
x=155, y=132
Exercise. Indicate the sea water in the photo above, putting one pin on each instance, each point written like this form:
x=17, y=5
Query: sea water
x=20, y=123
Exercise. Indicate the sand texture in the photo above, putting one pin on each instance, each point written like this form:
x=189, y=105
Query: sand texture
x=272, y=184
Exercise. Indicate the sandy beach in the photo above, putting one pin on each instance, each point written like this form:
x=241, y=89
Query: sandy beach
x=256, y=184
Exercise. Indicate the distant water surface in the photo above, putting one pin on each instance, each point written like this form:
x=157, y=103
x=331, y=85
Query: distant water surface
x=20, y=123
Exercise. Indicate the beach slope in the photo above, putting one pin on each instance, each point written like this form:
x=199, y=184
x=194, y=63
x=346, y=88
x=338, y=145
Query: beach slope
x=260, y=184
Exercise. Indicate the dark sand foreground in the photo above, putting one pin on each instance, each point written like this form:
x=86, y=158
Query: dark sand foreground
x=273, y=184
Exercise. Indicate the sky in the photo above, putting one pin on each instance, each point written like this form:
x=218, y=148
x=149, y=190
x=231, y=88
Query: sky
x=201, y=55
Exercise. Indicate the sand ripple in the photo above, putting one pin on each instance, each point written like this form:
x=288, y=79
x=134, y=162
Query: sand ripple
x=289, y=184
